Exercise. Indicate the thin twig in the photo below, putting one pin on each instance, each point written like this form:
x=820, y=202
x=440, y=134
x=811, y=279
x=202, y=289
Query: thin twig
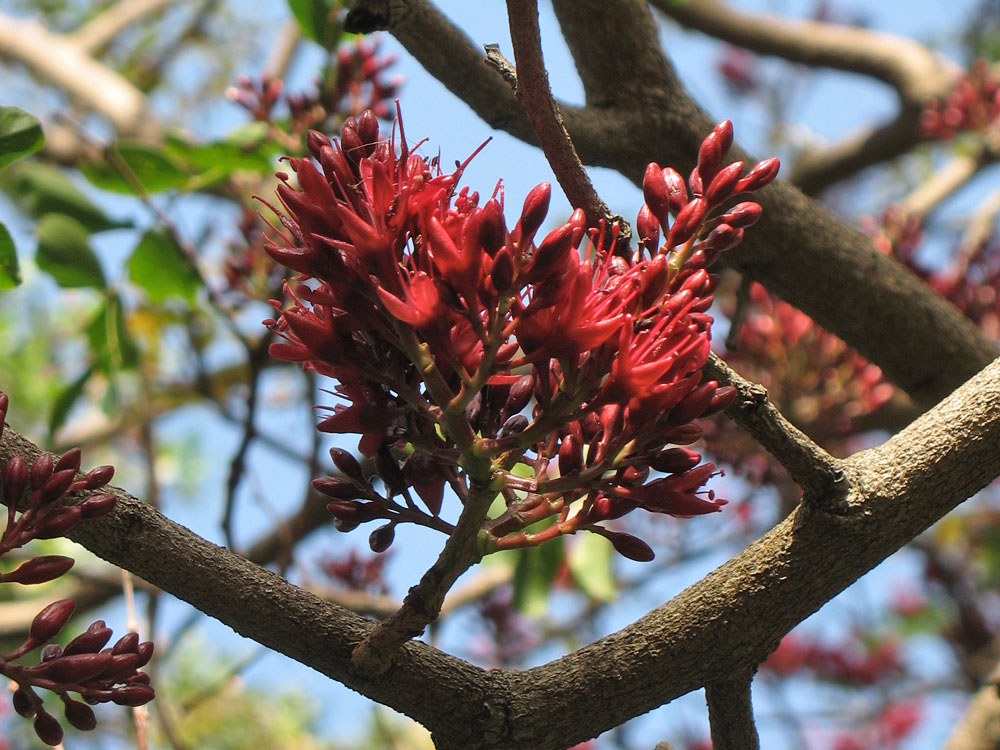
x=535, y=95
x=730, y=714
x=816, y=471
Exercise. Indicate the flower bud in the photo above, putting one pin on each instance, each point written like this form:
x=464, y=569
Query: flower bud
x=519, y=396
x=98, y=477
x=368, y=130
x=388, y=471
x=492, y=229
x=536, y=206
x=97, y=505
x=22, y=703
x=39, y=570
x=353, y=146
x=70, y=460
x=502, y=272
x=41, y=470
x=47, y=728
x=674, y=460
x=127, y=644
x=516, y=424
x=648, y=228
x=742, y=215
x=337, y=487
x=90, y=641
x=79, y=715
x=15, y=477
x=721, y=399
x=50, y=621
x=570, y=455
x=696, y=183
x=719, y=240
x=49, y=652
x=627, y=545
x=58, y=522
x=694, y=403
x=723, y=183
x=633, y=476
x=145, y=652
x=382, y=537
x=551, y=252
x=133, y=695
x=654, y=190
x=759, y=176
x=316, y=142
x=76, y=668
x=347, y=464
x=56, y=486
x=677, y=193
x=687, y=222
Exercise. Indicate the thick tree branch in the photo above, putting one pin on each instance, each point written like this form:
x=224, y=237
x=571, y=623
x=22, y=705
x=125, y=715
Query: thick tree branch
x=95, y=35
x=979, y=727
x=730, y=715
x=712, y=630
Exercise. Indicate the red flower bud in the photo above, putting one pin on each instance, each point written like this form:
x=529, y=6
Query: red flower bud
x=127, y=644
x=675, y=460
x=41, y=470
x=70, y=460
x=23, y=704
x=721, y=400
x=337, y=487
x=648, y=228
x=687, y=222
x=368, y=130
x=98, y=477
x=133, y=695
x=58, y=522
x=492, y=229
x=627, y=545
x=694, y=404
x=654, y=190
x=97, y=505
x=742, y=215
x=347, y=464
x=677, y=193
x=519, y=396
x=536, y=206
x=145, y=653
x=502, y=272
x=90, y=641
x=50, y=621
x=382, y=537
x=723, y=237
x=56, y=486
x=723, y=183
x=39, y=570
x=76, y=668
x=759, y=176
x=79, y=715
x=47, y=728
x=15, y=477
x=570, y=455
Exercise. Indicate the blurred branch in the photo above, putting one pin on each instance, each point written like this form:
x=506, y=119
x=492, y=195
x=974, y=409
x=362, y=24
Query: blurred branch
x=979, y=727
x=94, y=36
x=944, y=182
x=730, y=714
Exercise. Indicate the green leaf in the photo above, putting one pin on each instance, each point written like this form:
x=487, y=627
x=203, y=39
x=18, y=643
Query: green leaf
x=10, y=274
x=248, y=135
x=590, y=561
x=534, y=573
x=313, y=17
x=209, y=162
x=64, y=252
x=161, y=269
x=39, y=189
x=128, y=163
x=20, y=134
x=110, y=343
x=64, y=402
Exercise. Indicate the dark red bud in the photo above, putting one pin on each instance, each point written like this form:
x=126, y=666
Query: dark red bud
x=551, y=253
x=570, y=456
x=696, y=183
x=39, y=570
x=77, y=668
x=133, y=695
x=723, y=133
x=23, y=704
x=347, y=464
x=633, y=476
x=627, y=545
x=502, y=272
x=4, y=405
x=56, y=486
x=388, y=471
x=520, y=395
x=676, y=189
x=41, y=470
x=516, y=424
x=674, y=460
x=648, y=228
x=70, y=460
x=316, y=142
x=50, y=621
x=742, y=215
x=654, y=190
x=49, y=652
x=368, y=130
x=694, y=404
x=710, y=157
x=120, y=667
x=721, y=400
x=536, y=206
x=337, y=487
x=97, y=505
x=127, y=644
x=91, y=641
x=79, y=715
x=759, y=176
x=381, y=539
x=47, y=728
x=723, y=183
x=351, y=143
x=685, y=434
x=145, y=653
x=98, y=477
x=58, y=522
x=492, y=229
x=687, y=222
x=15, y=477
x=724, y=237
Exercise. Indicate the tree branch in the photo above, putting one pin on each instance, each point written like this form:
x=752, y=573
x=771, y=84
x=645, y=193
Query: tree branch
x=730, y=714
x=95, y=35
x=710, y=631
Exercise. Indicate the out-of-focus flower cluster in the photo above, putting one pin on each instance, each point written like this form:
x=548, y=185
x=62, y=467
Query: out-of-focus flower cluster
x=492, y=359
x=83, y=666
x=973, y=104
x=354, y=82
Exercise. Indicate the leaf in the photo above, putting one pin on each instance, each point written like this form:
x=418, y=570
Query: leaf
x=10, y=274
x=128, y=163
x=161, y=269
x=110, y=343
x=313, y=17
x=534, y=573
x=20, y=134
x=590, y=560
x=39, y=189
x=64, y=252
x=210, y=162
x=64, y=402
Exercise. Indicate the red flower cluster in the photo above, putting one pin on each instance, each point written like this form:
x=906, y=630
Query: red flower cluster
x=83, y=666
x=973, y=104
x=469, y=352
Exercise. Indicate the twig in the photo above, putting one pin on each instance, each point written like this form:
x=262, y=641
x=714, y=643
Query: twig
x=535, y=95
x=284, y=49
x=730, y=714
x=95, y=35
x=819, y=474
